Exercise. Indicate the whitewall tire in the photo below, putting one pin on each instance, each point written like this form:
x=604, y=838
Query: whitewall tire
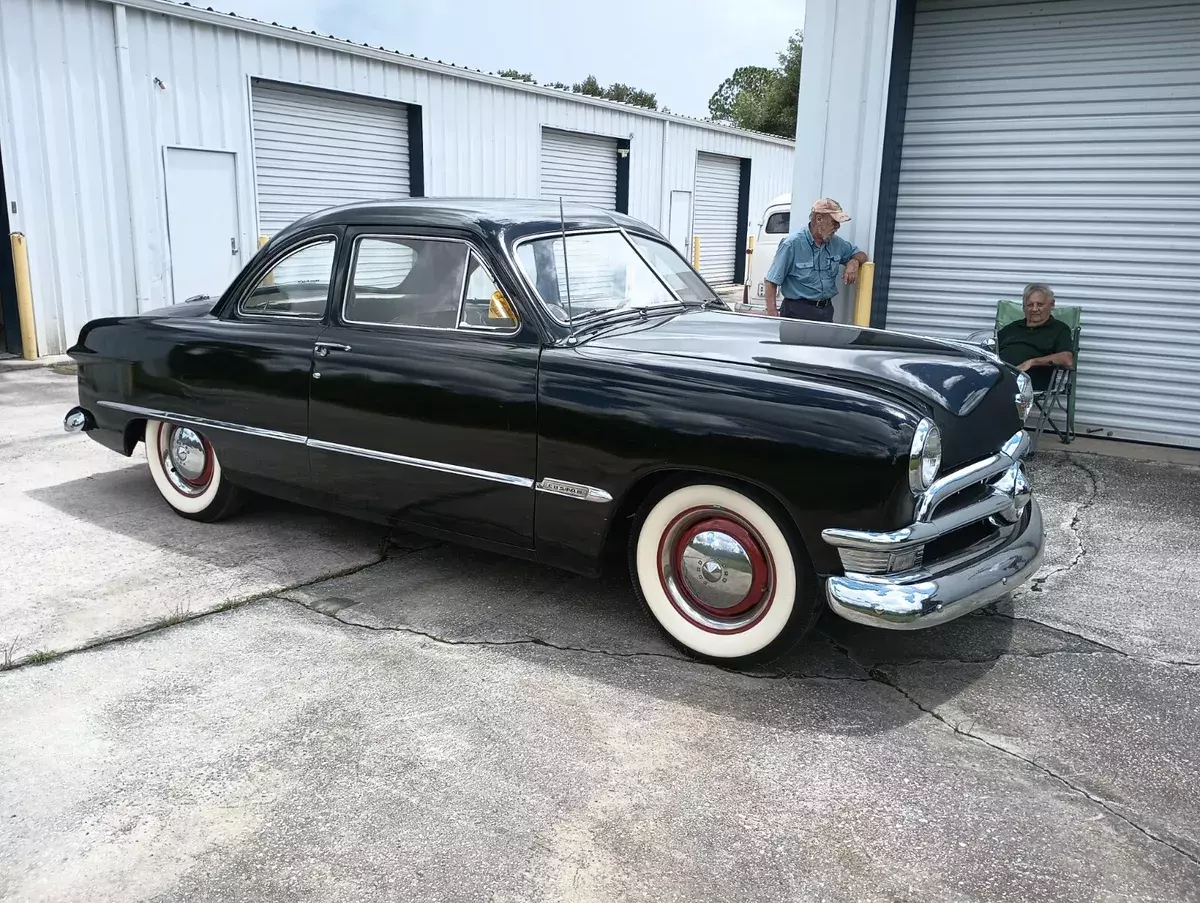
x=720, y=574
x=187, y=472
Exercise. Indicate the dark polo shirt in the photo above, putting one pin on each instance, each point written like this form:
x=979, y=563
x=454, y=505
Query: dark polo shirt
x=1019, y=343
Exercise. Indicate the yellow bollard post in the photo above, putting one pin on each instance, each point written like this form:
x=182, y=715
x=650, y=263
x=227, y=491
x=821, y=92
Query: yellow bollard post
x=862, y=297
x=262, y=240
x=696, y=251
x=20, y=253
x=269, y=279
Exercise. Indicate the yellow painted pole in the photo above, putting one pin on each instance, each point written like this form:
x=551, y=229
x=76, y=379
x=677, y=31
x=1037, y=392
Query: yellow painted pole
x=20, y=255
x=862, y=298
x=696, y=251
x=262, y=240
x=269, y=279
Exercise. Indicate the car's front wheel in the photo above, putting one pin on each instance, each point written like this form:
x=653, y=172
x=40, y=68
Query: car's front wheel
x=721, y=574
x=188, y=473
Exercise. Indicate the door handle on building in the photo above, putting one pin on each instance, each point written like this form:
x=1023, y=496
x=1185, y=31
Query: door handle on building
x=233, y=248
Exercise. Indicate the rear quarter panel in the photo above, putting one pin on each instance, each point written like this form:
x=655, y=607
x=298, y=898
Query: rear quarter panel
x=830, y=455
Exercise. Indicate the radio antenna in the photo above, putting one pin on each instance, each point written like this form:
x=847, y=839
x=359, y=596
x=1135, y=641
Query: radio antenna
x=562, y=223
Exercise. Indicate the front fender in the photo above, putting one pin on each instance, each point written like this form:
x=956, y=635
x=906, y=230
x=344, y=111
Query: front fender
x=610, y=419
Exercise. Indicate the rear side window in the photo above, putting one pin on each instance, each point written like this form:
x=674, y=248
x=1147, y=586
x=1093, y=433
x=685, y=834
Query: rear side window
x=779, y=223
x=296, y=286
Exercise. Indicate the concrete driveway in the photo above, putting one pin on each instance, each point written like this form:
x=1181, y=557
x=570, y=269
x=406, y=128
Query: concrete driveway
x=302, y=708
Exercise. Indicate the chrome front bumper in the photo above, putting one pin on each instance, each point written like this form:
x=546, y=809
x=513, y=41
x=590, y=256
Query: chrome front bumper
x=932, y=599
x=927, y=593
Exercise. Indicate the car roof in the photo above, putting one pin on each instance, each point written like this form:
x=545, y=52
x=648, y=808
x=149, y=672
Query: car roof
x=512, y=216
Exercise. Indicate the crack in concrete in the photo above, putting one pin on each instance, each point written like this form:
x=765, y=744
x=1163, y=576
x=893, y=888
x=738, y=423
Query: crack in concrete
x=890, y=681
x=1103, y=649
x=1081, y=507
x=45, y=657
x=585, y=650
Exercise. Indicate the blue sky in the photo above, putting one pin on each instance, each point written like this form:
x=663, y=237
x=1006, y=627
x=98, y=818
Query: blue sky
x=679, y=49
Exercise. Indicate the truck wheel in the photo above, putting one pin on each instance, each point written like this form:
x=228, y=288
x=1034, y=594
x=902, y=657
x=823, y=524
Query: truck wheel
x=188, y=474
x=721, y=575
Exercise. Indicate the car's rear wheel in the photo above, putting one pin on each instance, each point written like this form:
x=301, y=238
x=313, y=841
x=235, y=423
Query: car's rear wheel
x=721, y=574
x=187, y=472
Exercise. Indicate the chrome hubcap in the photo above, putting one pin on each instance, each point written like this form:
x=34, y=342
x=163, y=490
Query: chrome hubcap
x=188, y=454
x=187, y=459
x=715, y=570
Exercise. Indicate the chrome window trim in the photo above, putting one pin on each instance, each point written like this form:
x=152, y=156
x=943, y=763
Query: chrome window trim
x=470, y=248
x=490, y=476
x=242, y=314
x=204, y=422
x=514, y=250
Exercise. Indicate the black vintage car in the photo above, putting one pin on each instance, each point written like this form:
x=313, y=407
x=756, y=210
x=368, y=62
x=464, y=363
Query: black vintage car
x=563, y=386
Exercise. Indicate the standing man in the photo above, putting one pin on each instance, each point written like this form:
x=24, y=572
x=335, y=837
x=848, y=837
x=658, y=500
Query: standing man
x=806, y=265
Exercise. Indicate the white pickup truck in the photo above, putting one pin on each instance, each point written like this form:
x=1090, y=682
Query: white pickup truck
x=772, y=229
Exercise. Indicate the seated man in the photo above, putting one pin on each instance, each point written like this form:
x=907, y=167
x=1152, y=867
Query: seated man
x=1039, y=342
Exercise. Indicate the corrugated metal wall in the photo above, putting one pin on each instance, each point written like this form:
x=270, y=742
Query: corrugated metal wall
x=91, y=195
x=1060, y=143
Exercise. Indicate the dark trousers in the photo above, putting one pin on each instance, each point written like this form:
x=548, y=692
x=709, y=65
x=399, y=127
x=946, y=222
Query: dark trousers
x=807, y=310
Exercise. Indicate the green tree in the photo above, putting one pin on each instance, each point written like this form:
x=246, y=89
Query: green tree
x=762, y=99
x=592, y=88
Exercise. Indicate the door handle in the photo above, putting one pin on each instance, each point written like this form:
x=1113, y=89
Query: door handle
x=233, y=248
x=323, y=348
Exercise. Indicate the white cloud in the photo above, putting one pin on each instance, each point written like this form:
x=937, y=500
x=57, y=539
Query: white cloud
x=678, y=49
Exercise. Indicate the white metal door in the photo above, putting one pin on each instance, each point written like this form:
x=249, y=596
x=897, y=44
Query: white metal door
x=718, y=180
x=317, y=149
x=202, y=221
x=579, y=168
x=681, y=222
x=1060, y=143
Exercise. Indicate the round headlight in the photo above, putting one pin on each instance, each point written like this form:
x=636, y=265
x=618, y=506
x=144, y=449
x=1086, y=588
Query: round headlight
x=925, y=458
x=1024, y=395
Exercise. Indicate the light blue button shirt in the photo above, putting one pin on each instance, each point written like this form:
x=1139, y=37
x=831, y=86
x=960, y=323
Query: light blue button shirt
x=804, y=269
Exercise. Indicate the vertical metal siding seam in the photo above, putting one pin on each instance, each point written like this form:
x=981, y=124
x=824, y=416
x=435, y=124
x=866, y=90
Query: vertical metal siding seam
x=78, y=179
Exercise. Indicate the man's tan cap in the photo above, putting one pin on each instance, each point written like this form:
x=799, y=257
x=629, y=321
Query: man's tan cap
x=833, y=208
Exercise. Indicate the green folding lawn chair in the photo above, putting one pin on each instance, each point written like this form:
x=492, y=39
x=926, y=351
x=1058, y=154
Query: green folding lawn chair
x=1058, y=398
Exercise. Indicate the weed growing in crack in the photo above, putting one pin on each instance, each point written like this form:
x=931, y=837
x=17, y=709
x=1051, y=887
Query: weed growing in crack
x=41, y=657
x=8, y=653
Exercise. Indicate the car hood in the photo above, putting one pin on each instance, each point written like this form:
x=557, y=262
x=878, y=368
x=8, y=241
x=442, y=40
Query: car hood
x=955, y=379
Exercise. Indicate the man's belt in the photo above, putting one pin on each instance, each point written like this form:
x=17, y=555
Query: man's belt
x=815, y=302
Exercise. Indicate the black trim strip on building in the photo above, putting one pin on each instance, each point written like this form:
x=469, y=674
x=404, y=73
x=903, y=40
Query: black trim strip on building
x=10, y=323
x=416, y=151
x=893, y=150
x=743, y=221
x=623, y=175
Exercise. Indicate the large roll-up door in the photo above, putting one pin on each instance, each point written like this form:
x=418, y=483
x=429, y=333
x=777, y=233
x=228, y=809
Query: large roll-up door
x=1060, y=143
x=718, y=180
x=316, y=149
x=579, y=168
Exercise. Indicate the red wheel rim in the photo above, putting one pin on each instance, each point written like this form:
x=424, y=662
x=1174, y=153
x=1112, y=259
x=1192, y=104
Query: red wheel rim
x=716, y=570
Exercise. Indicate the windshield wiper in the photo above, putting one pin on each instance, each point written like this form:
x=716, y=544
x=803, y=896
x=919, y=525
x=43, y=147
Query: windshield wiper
x=619, y=315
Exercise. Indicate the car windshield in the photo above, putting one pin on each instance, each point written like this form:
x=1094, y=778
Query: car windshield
x=606, y=274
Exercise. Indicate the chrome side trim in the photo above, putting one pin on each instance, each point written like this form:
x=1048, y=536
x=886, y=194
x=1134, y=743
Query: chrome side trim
x=203, y=422
x=573, y=490
x=507, y=479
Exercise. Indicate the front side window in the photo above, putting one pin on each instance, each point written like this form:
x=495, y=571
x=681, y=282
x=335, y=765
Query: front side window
x=484, y=305
x=605, y=274
x=297, y=286
x=779, y=223
x=406, y=282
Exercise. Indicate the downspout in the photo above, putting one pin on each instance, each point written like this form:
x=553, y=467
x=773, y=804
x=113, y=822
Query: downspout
x=141, y=278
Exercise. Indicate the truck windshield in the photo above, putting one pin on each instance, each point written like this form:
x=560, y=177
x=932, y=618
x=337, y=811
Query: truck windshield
x=606, y=274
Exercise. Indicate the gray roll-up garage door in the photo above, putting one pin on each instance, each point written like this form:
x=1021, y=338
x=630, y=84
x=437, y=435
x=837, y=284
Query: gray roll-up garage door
x=579, y=168
x=316, y=149
x=1060, y=143
x=715, y=220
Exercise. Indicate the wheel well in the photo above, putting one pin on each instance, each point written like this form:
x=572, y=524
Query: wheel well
x=135, y=432
x=616, y=542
